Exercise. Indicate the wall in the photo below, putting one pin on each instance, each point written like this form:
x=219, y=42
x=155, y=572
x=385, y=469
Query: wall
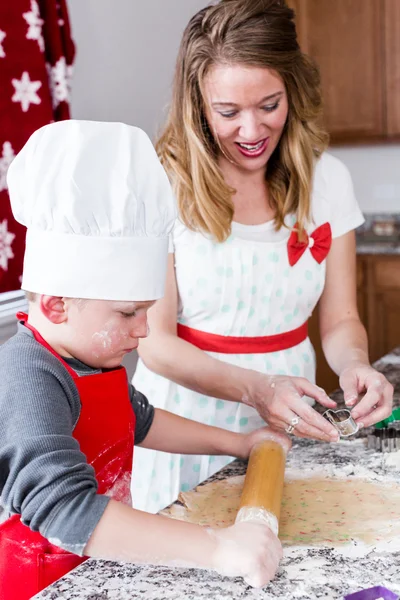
x=10, y=304
x=124, y=67
x=126, y=51
x=376, y=175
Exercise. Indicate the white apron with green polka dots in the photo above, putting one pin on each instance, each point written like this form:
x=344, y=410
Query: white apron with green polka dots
x=238, y=288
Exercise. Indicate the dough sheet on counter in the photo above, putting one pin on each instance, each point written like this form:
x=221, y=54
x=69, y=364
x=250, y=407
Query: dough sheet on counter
x=315, y=511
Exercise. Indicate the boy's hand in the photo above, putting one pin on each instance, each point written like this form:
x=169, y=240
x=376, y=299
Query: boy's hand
x=265, y=433
x=248, y=550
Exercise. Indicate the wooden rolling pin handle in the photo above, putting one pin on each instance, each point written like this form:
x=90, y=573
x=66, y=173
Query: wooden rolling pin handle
x=263, y=486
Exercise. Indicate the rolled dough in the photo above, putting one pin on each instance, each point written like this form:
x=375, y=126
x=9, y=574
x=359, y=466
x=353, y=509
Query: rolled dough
x=315, y=511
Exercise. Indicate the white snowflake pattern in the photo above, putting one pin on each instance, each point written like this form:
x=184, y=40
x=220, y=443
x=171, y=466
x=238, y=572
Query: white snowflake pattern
x=2, y=36
x=59, y=81
x=35, y=24
x=6, y=239
x=5, y=162
x=25, y=91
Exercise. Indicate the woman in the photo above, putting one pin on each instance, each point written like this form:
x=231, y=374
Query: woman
x=266, y=229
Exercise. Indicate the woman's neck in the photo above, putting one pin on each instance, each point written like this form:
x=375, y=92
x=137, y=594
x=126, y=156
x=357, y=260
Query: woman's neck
x=251, y=197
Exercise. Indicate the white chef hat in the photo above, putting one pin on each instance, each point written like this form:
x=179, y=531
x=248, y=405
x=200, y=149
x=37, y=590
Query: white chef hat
x=98, y=207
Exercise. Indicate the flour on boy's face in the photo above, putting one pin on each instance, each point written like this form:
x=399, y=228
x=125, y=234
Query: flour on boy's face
x=102, y=332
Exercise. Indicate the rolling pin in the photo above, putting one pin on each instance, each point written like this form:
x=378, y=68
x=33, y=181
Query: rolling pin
x=263, y=485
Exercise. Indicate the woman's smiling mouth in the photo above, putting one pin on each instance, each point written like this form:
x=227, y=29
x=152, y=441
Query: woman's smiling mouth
x=253, y=150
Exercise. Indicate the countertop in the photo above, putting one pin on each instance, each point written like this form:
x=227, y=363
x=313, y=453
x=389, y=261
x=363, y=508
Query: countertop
x=379, y=245
x=377, y=248
x=305, y=573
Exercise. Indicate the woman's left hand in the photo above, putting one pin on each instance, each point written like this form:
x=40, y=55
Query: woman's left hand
x=376, y=404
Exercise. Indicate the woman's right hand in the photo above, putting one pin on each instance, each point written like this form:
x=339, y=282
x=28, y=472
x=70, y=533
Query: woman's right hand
x=248, y=550
x=278, y=400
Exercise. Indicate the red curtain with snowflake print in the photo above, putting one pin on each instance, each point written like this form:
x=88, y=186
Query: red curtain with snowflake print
x=36, y=56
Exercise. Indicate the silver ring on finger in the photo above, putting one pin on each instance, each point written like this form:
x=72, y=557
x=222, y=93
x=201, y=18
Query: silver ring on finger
x=293, y=423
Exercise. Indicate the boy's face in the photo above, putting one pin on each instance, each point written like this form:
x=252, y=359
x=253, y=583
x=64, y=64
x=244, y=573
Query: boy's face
x=101, y=332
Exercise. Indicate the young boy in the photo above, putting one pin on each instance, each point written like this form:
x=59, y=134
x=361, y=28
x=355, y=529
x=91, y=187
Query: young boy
x=98, y=208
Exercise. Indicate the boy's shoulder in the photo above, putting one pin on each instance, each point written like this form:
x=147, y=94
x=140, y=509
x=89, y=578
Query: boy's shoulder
x=29, y=368
x=24, y=351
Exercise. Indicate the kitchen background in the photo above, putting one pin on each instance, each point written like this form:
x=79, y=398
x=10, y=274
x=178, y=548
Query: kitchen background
x=123, y=70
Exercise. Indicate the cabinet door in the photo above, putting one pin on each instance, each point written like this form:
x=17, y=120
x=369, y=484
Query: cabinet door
x=392, y=60
x=387, y=322
x=345, y=39
x=326, y=378
x=383, y=305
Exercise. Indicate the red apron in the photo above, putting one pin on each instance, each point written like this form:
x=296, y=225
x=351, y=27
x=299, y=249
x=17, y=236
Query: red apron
x=105, y=432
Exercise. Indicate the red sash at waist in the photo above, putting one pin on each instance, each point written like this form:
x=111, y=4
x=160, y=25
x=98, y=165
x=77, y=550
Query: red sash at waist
x=243, y=345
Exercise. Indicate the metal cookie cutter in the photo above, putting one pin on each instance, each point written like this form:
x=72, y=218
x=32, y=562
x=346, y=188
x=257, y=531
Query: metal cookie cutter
x=385, y=440
x=385, y=437
x=342, y=420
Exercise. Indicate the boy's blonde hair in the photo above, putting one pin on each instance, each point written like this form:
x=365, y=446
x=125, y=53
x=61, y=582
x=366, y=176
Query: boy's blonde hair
x=33, y=296
x=258, y=33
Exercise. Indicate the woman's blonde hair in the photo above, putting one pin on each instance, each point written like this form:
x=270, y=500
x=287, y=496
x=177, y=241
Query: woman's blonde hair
x=259, y=33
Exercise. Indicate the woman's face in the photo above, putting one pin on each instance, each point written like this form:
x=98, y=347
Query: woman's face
x=246, y=109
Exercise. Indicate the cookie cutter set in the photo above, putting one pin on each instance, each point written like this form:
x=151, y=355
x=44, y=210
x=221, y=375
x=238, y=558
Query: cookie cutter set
x=386, y=435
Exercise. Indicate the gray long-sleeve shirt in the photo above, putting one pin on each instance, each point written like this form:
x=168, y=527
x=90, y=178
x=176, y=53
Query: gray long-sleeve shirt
x=44, y=476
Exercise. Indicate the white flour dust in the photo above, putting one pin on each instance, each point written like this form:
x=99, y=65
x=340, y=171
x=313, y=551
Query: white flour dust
x=102, y=338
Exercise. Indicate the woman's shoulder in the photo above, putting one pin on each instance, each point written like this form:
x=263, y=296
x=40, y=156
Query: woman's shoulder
x=333, y=197
x=332, y=182
x=182, y=237
x=181, y=232
x=330, y=169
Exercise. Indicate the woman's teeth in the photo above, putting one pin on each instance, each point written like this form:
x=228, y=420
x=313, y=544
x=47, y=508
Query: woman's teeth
x=251, y=147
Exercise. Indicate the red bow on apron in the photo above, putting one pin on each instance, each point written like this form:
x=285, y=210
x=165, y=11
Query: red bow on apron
x=105, y=432
x=319, y=243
